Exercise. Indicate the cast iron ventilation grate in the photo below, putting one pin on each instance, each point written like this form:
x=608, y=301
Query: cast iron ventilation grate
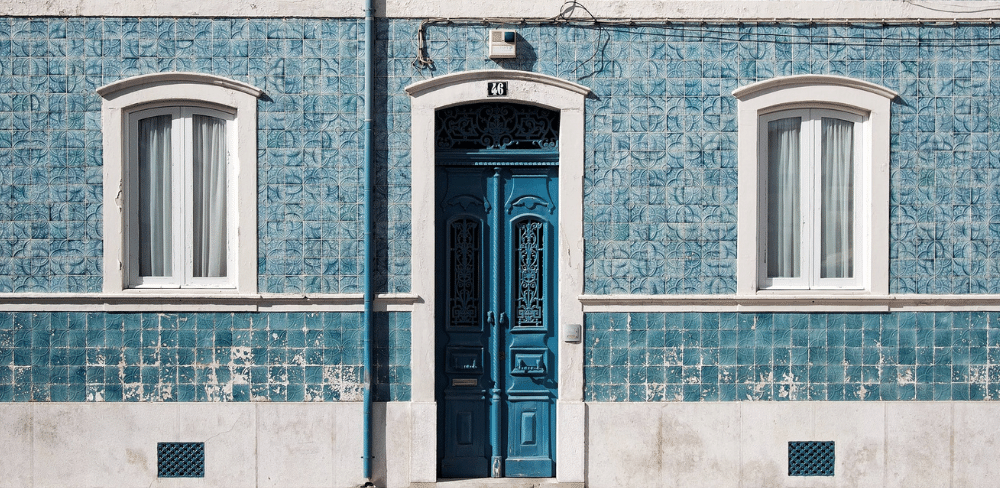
x=810, y=458
x=180, y=459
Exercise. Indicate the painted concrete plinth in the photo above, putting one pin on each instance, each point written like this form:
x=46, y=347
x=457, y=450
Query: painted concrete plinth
x=745, y=444
x=246, y=444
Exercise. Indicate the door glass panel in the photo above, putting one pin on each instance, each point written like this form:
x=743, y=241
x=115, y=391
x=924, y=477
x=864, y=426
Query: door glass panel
x=465, y=261
x=530, y=248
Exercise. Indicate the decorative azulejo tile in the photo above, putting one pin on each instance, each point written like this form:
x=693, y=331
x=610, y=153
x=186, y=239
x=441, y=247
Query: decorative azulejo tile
x=199, y=357
x=643, y=357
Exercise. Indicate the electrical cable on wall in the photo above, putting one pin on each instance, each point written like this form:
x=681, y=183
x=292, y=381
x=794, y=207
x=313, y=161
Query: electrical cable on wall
x=925, y=5
x=721, y=30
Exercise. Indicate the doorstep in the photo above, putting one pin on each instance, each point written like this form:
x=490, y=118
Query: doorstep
x=498, y=483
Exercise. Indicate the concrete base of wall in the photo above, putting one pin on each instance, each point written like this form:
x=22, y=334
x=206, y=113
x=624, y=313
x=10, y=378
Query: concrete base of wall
x=246, y=444
x=745, y=444
x=739, y=444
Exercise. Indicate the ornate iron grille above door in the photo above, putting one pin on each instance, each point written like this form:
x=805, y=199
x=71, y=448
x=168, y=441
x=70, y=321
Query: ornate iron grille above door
x=486, y=133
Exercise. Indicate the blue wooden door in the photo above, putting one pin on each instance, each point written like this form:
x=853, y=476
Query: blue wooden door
x=496, y=341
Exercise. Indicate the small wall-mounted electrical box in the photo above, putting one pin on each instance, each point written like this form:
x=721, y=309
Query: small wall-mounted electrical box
x=572, y=333
x=503, y=43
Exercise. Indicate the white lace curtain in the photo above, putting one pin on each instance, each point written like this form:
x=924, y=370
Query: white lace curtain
x=208, y=187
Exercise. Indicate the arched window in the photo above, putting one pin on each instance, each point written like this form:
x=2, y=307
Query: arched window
x=813, y=186
x=180, y=183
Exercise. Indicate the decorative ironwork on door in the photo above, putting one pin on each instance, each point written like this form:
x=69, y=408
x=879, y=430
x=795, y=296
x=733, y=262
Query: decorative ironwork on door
x=465, y=286
x=497, y=126
x=529, y=273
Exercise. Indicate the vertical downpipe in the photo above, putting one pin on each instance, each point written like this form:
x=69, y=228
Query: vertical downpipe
x=369, y=266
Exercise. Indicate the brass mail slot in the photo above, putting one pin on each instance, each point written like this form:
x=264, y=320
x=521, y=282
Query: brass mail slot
x=464, y=382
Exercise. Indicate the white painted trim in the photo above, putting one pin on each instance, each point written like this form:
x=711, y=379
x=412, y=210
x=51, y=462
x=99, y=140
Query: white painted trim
x=524, y=87
x=200, y=302
x=825, y=302
x=786, y=82
x=135, y=83
x=421, y=88
x=405, y=302
x=121, y=98
x=668, y=10
x=818, y=91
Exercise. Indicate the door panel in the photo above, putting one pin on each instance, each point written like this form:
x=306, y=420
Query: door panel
x=462, y=334
x=529, y=226
x=496, y=332
x=528, y=448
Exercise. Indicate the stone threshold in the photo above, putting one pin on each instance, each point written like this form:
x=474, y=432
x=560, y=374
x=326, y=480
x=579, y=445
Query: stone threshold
x=498, y=483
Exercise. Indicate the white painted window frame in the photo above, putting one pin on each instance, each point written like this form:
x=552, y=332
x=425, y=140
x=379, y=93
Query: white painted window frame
x=810, y=237
x=870, y=101
x=181, y=199
x=125, y=97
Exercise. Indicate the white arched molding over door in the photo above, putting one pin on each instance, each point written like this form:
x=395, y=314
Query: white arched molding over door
x=526, y=88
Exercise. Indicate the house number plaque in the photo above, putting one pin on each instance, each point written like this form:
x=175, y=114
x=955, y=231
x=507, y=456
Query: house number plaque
x=496, y=88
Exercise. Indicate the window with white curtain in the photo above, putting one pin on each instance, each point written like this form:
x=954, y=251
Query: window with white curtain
x=811, y=162
x=179, y=198
x=180, y=185
x=813, y=189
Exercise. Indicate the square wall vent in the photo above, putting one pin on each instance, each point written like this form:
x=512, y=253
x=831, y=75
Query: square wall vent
x=180, y=459
x=810, y=458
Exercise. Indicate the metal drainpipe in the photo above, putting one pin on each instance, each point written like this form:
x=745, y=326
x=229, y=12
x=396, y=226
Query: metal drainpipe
x=369, y=267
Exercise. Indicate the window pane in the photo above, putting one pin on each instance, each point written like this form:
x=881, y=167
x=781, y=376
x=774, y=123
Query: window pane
x=154, y=196
x=209, y=206
x=837, y=200
x=783, y=202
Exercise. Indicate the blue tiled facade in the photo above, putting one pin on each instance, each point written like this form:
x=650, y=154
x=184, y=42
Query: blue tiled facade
x=188, y=357
x=660, y=188
x=649, y=357
x=660, y=182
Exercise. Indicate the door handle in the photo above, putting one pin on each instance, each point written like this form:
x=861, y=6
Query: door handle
x=492, y=319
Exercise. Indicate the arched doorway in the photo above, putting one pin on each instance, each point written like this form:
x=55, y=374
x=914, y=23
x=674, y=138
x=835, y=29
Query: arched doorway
x=523, y=88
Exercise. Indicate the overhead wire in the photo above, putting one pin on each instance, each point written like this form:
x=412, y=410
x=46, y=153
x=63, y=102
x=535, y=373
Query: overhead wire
x=735, y=30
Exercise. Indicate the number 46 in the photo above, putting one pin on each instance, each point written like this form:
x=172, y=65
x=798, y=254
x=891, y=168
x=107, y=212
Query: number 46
x=498, y=89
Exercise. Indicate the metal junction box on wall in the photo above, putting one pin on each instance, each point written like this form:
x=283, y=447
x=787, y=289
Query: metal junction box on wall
x=503, y=43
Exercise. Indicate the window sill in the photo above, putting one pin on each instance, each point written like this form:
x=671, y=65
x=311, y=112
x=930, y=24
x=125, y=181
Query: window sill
x=200, y=301
x=812, y=292
x=788, y=303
